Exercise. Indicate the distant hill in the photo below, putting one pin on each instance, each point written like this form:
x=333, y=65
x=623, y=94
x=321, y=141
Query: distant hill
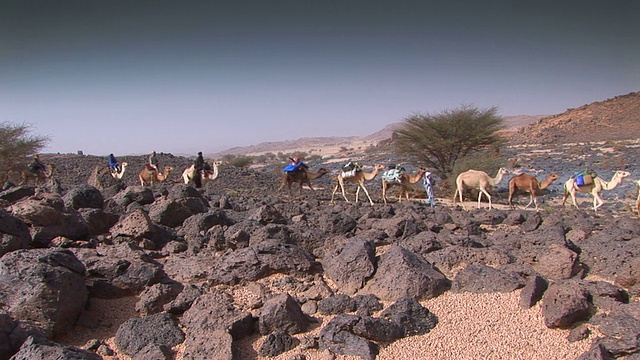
x=613, y=119
x=334, y=144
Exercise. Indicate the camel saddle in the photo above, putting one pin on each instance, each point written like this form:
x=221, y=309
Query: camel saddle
x=349, y=173
x=392, y=175
x=150, y=168
x=584, y=178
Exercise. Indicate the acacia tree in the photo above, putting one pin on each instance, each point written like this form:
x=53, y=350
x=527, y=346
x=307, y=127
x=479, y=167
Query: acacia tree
x=441, y=139
x=16, y=143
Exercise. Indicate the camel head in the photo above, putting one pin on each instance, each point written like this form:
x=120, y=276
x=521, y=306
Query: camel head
x=552, y=177
x=379, y=167
x=323, y=171
x=622, y=174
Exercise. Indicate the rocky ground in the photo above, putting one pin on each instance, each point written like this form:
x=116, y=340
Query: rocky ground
x=92, y=267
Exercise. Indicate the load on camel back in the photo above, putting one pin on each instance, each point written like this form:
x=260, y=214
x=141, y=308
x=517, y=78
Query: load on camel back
x=295, y=165
x=350, y=169
x=393, y=174
x=584, y=177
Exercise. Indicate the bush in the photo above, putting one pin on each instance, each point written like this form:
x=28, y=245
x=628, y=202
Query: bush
x=441, y=140
x=16, y=144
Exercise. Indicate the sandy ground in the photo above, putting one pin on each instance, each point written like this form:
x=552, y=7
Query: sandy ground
x=470, y=326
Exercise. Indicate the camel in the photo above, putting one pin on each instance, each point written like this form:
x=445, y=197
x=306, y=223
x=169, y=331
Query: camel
x=120, y=174
x=405, y=179
x=529, y=183
x=479, y=180
x=188, y=175
x=594, y=189
x=359, y=178
x=150, y=176
x=27, y=175
x=301, y=177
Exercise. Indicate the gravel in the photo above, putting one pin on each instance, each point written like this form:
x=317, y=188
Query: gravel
x=470, y=326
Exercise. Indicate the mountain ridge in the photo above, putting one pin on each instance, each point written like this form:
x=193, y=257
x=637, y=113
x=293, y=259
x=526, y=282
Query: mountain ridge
x=332, y=144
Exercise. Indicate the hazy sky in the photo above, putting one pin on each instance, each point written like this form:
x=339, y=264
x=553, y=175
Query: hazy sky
x=129, y=77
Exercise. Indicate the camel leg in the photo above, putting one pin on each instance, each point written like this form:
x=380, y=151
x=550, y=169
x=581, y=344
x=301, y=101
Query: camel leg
x=479, y=198
x=366, y=192
x=344, y=195
x=564, y=198
x=455, y=194
x=597, y=201
x=357, y=193
x=401, y=193
x=573, y=198
x=532, y=200
x=638, y=202
x=335, y=189
x=384, y=192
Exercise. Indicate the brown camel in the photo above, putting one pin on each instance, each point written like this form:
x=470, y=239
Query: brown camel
x=27, y=175
x=594, y=189
x=479, y=180
x=301, y=177
x=120, y=174
x=359, y=178
x=529, y=183
x=150, y=176
x=404, y=181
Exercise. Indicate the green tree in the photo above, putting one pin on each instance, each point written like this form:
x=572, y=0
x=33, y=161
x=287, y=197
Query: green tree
x=441, y=139
x=16, y=143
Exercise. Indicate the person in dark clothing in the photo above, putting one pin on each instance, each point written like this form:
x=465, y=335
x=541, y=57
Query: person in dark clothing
x=153, y=161
x=113, y=163
x=199, y=166
x=36, y=165
x=199, y=162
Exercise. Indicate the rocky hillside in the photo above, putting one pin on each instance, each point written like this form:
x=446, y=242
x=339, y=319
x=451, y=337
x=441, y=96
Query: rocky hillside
x=613, y=119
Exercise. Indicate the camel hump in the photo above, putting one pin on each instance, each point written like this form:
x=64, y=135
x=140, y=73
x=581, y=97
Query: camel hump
x=149, y=167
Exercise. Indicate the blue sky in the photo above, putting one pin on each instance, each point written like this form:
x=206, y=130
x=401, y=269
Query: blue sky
x=129, y=77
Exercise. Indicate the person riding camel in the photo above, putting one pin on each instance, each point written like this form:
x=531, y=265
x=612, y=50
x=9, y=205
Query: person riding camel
x=153, y=162
x=200, y=165
x=297, y=165
x=36, y=165
x=113, y=163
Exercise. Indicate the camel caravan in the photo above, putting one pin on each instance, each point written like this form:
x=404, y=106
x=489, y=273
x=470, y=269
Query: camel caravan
x=474, y=180
x=355, y=174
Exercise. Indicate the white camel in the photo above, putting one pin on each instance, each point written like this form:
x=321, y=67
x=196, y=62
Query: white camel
x=118, y=174
x=189, y=173
x=479, y=180
x=359, y=178
x=594, y=189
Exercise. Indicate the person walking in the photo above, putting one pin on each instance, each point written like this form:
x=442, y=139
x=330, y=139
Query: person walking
x=429, y=183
